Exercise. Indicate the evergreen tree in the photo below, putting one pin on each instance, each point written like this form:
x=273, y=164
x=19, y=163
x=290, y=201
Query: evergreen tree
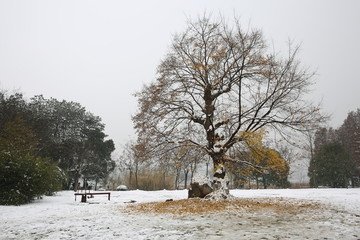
x=64, y=132
x=331, y=166
x=349, y=136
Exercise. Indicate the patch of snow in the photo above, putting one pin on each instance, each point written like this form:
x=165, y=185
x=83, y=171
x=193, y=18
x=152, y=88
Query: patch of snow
x=61, y=217
x=220, y=195
x=217, y=148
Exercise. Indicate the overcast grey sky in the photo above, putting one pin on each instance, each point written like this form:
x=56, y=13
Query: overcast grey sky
x=99, y=53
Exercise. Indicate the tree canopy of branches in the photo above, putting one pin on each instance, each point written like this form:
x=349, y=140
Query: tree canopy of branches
x=219, y=82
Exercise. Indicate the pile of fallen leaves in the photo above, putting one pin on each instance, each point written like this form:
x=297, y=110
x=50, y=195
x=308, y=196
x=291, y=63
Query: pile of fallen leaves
x=201, y=206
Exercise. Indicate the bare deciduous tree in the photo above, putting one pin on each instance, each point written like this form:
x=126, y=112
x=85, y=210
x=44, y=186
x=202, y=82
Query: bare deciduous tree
x=131, y=159
x=220, y=82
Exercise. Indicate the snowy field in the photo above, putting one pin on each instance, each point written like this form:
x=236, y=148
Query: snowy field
x=336, y=215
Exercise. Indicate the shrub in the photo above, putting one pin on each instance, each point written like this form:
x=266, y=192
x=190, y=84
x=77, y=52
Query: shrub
x=24, y=178
x=23, y=174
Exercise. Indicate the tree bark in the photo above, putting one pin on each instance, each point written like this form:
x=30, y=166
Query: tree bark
x=220, y=183
x=219, y=171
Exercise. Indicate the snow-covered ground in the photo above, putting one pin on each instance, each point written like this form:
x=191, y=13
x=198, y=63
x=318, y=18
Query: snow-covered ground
x=336, y=216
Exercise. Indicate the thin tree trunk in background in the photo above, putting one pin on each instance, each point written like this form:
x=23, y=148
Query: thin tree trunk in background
x=164, y=180
x=136, y=177
x=264, y=182
x=76, y=180
x=186, y=177
x=130, y=178
x=177, y=178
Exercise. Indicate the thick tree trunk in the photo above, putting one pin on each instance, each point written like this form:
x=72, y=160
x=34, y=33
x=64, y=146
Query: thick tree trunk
x=217, y=189
x=219, y=181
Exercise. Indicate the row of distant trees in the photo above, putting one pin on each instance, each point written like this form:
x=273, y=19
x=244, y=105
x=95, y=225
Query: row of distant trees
x=336, y=158
x=174, y=167
x=47, y=145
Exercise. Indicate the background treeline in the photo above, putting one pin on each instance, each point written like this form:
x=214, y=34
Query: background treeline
x=47, y=145
x=335, y=160
x=256, y=166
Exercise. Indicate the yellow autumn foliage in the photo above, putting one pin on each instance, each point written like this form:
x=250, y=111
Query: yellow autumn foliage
x=262, y=160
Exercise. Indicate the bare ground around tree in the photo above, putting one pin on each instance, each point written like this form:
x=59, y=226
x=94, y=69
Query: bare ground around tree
x=264, y=218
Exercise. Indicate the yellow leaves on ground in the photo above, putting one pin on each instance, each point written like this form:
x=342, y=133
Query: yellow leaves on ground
x=201, y=206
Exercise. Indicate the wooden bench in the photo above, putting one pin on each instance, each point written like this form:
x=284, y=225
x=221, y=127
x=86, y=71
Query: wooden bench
x=85, y=194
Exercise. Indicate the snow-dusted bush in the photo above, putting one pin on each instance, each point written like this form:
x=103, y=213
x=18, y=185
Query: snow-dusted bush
x=26, y=177
x=23, y=174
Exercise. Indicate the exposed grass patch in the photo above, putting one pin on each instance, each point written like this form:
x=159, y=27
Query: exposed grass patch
x=201, y=206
